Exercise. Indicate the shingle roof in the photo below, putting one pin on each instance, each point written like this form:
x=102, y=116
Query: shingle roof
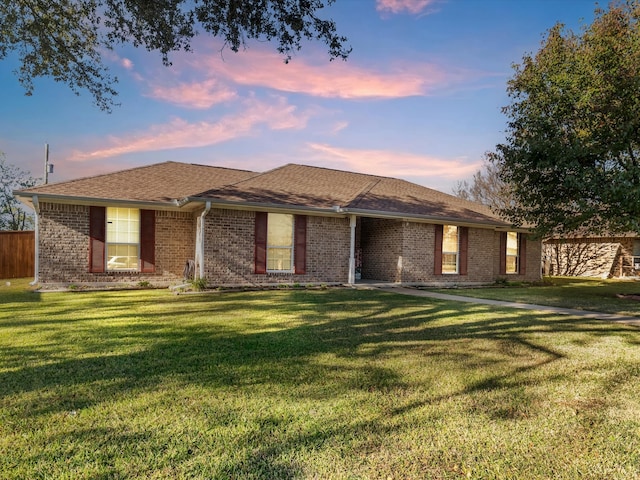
x=161, y=182
x=292, y=185
x=314, y=187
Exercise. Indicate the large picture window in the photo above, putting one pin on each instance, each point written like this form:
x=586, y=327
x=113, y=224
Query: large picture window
x=513, y=252
x=450, y=249
x=123, y=238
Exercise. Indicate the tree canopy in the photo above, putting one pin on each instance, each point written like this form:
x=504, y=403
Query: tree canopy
x=66, y=39
x=12, y=215
x=572, y=152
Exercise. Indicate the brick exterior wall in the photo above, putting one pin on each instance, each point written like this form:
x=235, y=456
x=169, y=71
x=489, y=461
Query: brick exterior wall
x=390, y=250
x=230, y=249
x=603, y=257
x=64, y=247
x=403, y=251
x=381, y=241
x=534, y=262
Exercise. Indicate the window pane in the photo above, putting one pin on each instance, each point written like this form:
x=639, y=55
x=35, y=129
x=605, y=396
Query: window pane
x=279, y=259
x=122, y=257
x=449, y=263
x=450, y=239
x=123, y=225
x=450, y=246
x=512, y=252
x=123, y=238
x=279, y=242
x=512, y=243
x=280, y=230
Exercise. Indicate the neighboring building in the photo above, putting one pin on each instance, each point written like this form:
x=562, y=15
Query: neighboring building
x=593, y=256
x=294, y=224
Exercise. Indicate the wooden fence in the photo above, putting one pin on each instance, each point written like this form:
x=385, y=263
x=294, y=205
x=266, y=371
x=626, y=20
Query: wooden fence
x=17, y=252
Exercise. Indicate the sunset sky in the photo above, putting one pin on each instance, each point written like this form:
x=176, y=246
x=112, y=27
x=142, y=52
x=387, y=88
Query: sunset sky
x=419, y=98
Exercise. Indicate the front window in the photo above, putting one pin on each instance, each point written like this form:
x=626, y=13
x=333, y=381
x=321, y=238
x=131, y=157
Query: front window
x=279, y=242
x=123, y=238
x=450, y=249
x=512, y=252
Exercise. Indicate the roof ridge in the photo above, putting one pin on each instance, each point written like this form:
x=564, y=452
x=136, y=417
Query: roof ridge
x=129, y=170
x=212, y=166
x=257, y=174
x=366, y=189
x=75, y=180
x=337, y=170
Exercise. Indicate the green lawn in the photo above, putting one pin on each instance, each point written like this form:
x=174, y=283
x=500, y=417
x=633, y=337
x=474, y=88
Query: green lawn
x=580, y=293
x=332, y=383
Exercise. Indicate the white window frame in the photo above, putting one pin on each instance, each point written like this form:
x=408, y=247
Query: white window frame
x=456, y=253
x=281, y=247
x=516, y=236
x=110, y=262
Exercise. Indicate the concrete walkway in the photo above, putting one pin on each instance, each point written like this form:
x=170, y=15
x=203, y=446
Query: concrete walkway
x=612, y=317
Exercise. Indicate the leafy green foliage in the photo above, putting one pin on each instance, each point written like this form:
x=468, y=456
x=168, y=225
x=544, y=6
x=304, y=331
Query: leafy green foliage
x=12, y=215
x=199, y=284
x=573, y=144
x=66, y=39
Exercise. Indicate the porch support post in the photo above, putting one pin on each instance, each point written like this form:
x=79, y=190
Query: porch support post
x=352, y=251
x=199, y=273
x=36, y=235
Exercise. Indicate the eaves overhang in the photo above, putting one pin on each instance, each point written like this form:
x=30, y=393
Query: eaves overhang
x=196, y=203
x=436, y=219
x=263, y=207
x=338, y=211
x=26, y=198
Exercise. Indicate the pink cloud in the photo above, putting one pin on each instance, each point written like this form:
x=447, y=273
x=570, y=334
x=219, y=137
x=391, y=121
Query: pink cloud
x=126, y=63
x=260, y=68
x=179, y=133
x=413, y=7
x=425, y=169
x=198, y=95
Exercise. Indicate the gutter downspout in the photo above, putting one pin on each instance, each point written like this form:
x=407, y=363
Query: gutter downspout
x=36, y=263
x=200, y=240
x=352, y=251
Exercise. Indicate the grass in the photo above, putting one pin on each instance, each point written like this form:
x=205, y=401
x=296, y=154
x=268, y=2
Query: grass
x=310, y=384
x=580, y=293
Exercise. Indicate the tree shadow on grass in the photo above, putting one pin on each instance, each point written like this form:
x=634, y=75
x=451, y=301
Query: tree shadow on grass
x=317, y=346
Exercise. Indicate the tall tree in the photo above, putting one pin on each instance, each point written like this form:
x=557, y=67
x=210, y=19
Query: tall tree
x=12, y=215
x=572, y=152
x=65, y=39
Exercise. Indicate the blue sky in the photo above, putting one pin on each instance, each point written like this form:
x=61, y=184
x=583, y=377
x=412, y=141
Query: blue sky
x=419, y=98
